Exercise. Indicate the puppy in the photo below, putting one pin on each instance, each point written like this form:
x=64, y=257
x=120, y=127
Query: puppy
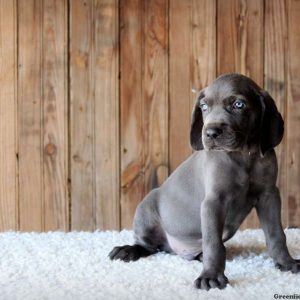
x=235, y=126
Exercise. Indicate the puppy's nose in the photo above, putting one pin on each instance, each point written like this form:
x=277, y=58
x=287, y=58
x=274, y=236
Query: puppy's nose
x=213, y=132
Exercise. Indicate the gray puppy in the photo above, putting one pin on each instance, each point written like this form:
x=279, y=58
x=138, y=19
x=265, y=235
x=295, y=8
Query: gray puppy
x=235, y=126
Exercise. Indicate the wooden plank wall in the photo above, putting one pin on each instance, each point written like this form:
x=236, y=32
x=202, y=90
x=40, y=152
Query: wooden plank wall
x=293, y=113
x=95, y=100
x=143, y=100
x=94, y=113
x=42, y=115
x=8, y=116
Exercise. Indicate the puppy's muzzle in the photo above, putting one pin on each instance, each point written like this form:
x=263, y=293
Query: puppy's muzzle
x=219, y=136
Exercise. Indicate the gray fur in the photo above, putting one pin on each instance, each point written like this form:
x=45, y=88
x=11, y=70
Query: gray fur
x=205, y=200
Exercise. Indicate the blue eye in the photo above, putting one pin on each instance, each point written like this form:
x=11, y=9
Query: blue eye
x=204, y=106
x=239, y=104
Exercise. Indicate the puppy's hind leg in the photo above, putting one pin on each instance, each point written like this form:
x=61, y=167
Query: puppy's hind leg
x=148, y=234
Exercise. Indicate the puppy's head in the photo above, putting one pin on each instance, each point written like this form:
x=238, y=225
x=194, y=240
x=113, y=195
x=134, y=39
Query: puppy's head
x=233, y=113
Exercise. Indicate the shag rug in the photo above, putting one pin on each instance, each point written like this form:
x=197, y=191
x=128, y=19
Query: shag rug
x=74, y=265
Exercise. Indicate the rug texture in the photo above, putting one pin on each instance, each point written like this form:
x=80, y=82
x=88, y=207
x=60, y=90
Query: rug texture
x=74, y=265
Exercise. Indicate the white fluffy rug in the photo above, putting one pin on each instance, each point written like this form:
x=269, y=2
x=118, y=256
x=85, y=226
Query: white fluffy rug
x=74, y=265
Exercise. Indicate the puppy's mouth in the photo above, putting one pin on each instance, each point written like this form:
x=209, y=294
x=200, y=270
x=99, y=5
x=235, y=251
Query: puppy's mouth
x=224, y=142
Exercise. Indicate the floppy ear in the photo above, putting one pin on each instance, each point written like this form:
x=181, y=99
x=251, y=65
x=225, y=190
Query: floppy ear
x=272, y=125
x=197, y=124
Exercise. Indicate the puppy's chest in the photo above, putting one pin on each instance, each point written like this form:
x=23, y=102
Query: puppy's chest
x=251, y=178
x=243, y=196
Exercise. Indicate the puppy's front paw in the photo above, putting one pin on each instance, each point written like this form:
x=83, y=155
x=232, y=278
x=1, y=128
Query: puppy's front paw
x=293, y=266
x=207, y=281
x=126, y=253
x=129, y=253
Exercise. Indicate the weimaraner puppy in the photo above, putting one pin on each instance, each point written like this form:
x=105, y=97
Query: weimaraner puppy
x=235, y=126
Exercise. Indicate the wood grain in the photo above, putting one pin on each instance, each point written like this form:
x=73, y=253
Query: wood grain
x=180, y=86
x=8, y=124
x=155, y=91
x=131, y=109
x=29, y=115
x=82, y=114
x=293, y=111
x=275, y=81
x=106, y=137
x=55, y=133
x=204, y=40
x=144, y=100
x=228, y=37
x=251, y=28
x=240, y=38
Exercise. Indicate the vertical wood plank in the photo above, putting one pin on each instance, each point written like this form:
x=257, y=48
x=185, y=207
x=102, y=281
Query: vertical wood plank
x=82, y=114
x=155, y=91
x=132, y=156
x=240, y=38
x=106, y=115
x=180, y=102
x=29, y=115
x=275, y=80
x=293, y=112
x=55, y=135
x=228, y=52
x=204, y=25
x=144, y=100
x=8, y=107
x=240, y=47
x=251, y=28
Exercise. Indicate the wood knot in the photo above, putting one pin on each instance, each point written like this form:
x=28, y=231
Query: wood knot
x=77, y=158
x=50, y=149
